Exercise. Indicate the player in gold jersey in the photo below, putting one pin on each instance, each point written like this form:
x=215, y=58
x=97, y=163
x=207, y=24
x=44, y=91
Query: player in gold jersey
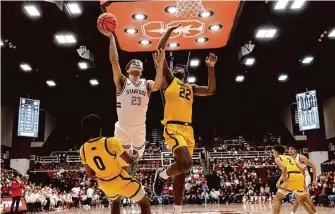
x=99, y=157
x=178, y=131
x=293, y=179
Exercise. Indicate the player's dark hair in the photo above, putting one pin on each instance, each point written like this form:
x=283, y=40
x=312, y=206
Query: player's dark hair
x=279, y=148
x=131, y=62
x=91, y=125
x=294, y=146
x=184, y=67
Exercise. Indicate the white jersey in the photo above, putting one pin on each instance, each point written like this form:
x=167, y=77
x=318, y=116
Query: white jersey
x=304, y=166
x=297, y=160
x=132, y=103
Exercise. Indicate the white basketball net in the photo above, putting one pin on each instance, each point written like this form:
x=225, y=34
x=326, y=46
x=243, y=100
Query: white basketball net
x=189, y=8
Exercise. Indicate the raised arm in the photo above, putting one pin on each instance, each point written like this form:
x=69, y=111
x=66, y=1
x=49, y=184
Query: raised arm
x=168, y=75
x=211, y=88
x=118, y=77
x=309, y=163
x=159, y=58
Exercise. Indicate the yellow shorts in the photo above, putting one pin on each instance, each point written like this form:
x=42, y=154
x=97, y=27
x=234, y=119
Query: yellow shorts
x=124, y=185
x=177, y=135
x=295, y=183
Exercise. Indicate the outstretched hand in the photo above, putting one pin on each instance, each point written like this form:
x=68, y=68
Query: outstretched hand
x=102, y=28
x=159, y=57
x=211, y=60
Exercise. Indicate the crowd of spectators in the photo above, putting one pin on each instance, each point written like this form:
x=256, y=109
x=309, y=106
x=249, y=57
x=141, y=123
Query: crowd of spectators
x=47, y=197
x=233, y=180
x=42, y=166
x=325, y=193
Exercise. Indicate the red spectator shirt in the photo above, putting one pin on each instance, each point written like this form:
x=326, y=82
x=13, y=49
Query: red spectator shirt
x=17, y=188
x=5, y=189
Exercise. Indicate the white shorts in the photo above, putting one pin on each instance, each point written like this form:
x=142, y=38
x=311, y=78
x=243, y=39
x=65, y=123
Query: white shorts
x=308, y=180
x=131, y=137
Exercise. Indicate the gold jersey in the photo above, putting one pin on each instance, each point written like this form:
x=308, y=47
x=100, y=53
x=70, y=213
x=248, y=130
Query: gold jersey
x=178, y=102
x=290, y=163
x=100, y=155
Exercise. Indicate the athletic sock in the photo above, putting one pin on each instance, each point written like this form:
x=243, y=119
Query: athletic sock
x=163, y=175
x=177, y=209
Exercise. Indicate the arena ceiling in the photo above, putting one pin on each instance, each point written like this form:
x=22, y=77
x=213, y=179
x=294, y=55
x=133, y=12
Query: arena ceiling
x=299, y=33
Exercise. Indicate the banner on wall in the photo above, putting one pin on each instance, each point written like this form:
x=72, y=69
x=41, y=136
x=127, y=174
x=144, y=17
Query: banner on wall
x=7, y=202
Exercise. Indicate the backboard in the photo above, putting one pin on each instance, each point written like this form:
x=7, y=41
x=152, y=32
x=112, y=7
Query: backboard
x=196, y=33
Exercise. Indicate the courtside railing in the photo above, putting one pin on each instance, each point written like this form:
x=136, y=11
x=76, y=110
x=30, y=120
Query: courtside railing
x=235, y=154
x=166, y=157
x=49, y=159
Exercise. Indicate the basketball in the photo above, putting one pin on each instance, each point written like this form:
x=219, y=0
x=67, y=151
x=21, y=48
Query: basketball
x=107, y=21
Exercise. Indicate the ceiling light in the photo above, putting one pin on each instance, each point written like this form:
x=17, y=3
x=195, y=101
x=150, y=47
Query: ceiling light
x=215, y=27
x=139, y=16
x=271, y=33
x=131, y=30
x=206, y=14
x=281, y=4
x=266, y=33
x=94, y=82
x=298, y=4
x=194, y=62
x=250, y=61
x=173, y=45
x=282, y=77
x=70, y=39
x=25, y=67
x=51, y=83
x=171, y=9
x=261, y=33
x=201, y=39
x=82, y=65
x=65, y=39
x=60, y=39
x=191, y=79
x=1, y=43
x=32, y=10
x=145, y=42
x=332, y=34
x=239, y=78
x=307, y=60
x=74, y=8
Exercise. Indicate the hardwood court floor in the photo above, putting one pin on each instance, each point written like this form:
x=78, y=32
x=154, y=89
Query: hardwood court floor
x=209, y=209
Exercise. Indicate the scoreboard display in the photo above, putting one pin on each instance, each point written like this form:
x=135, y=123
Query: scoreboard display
x=29, y=111
x=307, y=108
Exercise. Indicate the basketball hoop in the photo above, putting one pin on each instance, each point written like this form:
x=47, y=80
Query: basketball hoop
x=189, y=8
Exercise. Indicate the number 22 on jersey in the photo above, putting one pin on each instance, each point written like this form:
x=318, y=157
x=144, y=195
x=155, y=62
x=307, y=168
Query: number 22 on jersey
x=185, y=93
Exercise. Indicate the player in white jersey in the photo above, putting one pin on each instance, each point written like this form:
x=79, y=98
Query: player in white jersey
x=132, y=94
x=303, y=162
